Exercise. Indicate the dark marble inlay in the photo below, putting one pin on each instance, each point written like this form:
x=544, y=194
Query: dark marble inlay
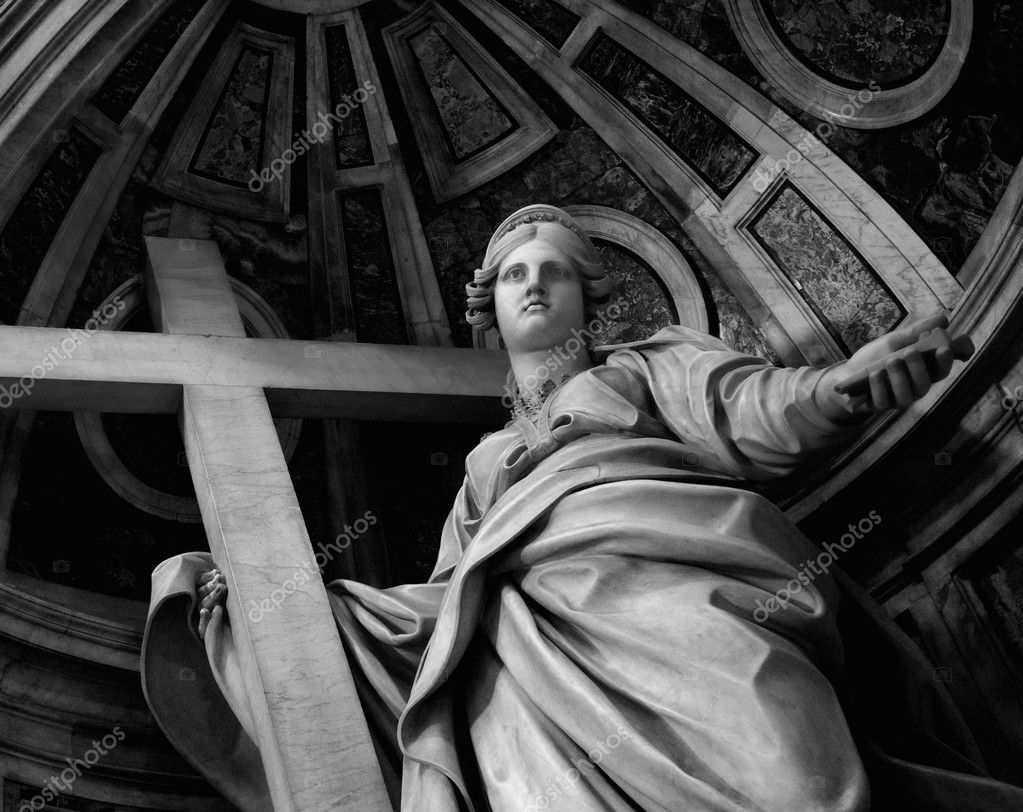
x=379, y=318
x=351, y=133
x=34, y=223
x=701, y=139
x=843, y=291
x=470, y=116
x=232, y=147
x=550, y=20
x=1000, y=587
x=855, y=42
x=122, y=88
x=645, y=304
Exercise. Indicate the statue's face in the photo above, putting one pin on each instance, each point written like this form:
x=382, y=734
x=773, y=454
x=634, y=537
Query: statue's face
x=538, y=296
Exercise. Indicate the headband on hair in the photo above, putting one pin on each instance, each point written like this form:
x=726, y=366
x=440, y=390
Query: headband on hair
x=536, y=213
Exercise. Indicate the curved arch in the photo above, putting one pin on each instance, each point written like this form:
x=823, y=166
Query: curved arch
x=826, y=99
x=656, y=250
x=259, y=319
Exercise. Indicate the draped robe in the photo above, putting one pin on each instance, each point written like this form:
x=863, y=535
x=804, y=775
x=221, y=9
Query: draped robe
x=588, y=638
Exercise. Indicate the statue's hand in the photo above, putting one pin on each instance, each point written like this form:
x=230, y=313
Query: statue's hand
x=212, y=590
x=894, y=370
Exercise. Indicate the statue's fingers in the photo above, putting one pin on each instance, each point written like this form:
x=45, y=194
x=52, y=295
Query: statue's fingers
x=899, y=381
x=209, y=577
x=919, y=376
x=216, y=615
x=209, y=586
x=911, y=333
x=213, y=598
x=204, y=621
x=943, y=358
x=204, y=577
x=879, y=390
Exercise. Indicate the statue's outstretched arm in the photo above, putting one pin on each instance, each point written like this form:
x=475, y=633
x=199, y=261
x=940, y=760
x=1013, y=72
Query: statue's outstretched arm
x=763, y=422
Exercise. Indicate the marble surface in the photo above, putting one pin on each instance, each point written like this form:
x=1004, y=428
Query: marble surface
x=945, y=173
x=646, y=306
x=122, y=88
x=471, y=117
x=378, y=313
x=28, y=232
x=232, y=146
x=854, y=42
x=351, y=134
x=577, y=167
x=549, y=19
x=831, y=277
x=1001, y=588
x=702, y=140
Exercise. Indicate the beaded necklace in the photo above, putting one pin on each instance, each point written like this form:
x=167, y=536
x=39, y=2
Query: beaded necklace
x=530, y=405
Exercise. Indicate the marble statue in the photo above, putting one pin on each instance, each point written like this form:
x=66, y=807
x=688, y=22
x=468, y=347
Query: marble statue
x=619, y=618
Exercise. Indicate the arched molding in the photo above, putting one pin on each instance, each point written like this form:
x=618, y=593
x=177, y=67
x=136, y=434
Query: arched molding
x=56, y=707
x=605, y=71
x=259, y=319
x=989, y=313
x=861, y=108
x=655, y=250
x=58, y=67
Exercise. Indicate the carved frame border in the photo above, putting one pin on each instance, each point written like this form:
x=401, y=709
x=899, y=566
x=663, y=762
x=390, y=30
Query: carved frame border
x=426, y=320
x=854, y=209
x=826, y=99
x=271, y=202
x=450, y=178
x=257, y=315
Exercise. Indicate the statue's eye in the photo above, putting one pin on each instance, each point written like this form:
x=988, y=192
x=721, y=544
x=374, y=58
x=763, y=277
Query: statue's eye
x=514, y=272
x=559, y=271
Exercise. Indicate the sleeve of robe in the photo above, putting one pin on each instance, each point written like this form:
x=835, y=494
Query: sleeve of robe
x=762, y=421
x=187, y=695
x=759, y=420
x=195, y=690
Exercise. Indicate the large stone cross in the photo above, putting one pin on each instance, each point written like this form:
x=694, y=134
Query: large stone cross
x=313, y=737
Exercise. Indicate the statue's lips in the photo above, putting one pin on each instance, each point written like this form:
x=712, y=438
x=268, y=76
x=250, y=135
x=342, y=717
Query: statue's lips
x=535, y=306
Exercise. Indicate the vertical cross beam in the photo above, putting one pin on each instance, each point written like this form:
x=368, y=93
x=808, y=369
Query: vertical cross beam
x=312, y=734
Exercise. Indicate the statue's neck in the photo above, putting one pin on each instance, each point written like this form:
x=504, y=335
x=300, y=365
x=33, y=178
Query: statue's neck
x=532, y=368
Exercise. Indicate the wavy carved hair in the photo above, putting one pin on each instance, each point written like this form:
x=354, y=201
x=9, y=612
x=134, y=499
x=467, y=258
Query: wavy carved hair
x=596, y=284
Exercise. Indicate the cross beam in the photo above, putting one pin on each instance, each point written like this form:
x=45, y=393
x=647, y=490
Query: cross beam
x=312, y=735
x=144, y=372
